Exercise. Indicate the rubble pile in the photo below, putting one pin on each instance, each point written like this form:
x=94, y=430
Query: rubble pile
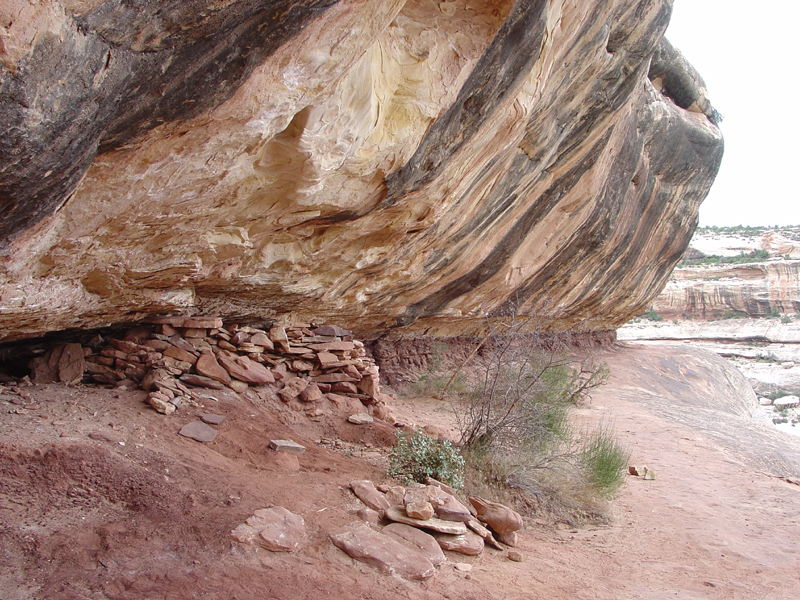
x=407, y=528
x=173, y=358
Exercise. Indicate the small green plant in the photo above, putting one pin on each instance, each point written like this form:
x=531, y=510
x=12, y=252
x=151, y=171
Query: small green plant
x=676, y=321
x=605, y=460
x=652, y=315
x=785, y=319
x=416, y=457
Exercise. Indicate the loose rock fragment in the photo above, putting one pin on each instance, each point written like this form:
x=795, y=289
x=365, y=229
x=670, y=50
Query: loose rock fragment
x=360, y=419
x=279, y=529
x=509, y=539
x=468, y=543
x=287, y=445
x=211, y=419
x=515, y=556
x=365, y=490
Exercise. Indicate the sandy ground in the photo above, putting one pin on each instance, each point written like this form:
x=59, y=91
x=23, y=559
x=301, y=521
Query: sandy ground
x=100, y=498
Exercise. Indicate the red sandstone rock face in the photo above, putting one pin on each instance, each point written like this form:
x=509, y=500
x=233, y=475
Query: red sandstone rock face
x=383, y=165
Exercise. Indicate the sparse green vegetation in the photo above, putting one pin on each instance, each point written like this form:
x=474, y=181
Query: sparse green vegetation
x=715, y=259
x=516, y=432
x=416, y=457
x=605, y=460
x=652, y=315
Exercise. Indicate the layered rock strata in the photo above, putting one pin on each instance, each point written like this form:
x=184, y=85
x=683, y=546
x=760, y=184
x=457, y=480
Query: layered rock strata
x=389, y=165
x=754, y=290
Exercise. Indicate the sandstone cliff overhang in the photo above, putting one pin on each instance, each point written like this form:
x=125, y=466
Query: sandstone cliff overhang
x=389, y=165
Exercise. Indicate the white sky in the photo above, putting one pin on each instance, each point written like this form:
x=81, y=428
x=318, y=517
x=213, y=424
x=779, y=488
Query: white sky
x=748, y=56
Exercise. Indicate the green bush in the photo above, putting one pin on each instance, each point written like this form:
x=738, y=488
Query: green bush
x=652, y=315
x=416, y=457
x=604, y=460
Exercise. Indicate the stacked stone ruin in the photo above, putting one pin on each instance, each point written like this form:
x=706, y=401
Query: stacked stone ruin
x=174, y=357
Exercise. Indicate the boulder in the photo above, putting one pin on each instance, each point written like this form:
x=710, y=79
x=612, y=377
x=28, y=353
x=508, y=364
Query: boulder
x=287, y=446
x=383, y=552
x=509, y=539
x=64, y=364
x=201, y=381
x=310, y=393
x=498, y=517
x=447, y=506
x=360, y=419
x=487, y=536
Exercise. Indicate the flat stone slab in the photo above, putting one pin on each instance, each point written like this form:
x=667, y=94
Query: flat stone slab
x=383, y=552
x=211, y=419
x=200, y=381
x=397, y=514
x=417, y=540
x=360, y=419
x=287, y=445
x=198, y=431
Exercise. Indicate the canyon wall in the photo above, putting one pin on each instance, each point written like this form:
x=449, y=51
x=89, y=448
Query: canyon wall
x=755, y=290
x=390, y=165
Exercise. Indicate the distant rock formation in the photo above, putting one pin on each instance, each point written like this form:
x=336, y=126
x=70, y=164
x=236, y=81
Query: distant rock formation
x=388, y=165
x=755, y=289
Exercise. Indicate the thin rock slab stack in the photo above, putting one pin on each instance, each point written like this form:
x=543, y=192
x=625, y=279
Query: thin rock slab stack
x=170, y=357
x=398, y=515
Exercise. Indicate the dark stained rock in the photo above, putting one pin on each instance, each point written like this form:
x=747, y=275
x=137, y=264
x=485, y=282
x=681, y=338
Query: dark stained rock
x=200, y=381
x=585, y=202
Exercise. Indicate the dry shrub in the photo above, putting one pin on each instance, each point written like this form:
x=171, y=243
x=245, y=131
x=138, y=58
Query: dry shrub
x=516, y=433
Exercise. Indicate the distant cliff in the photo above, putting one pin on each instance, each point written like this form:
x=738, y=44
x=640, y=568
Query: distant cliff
x=726, y=289
x=390, y=165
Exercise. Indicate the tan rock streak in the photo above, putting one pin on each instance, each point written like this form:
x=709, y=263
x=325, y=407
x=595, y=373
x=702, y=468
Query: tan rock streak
x=384, y=165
